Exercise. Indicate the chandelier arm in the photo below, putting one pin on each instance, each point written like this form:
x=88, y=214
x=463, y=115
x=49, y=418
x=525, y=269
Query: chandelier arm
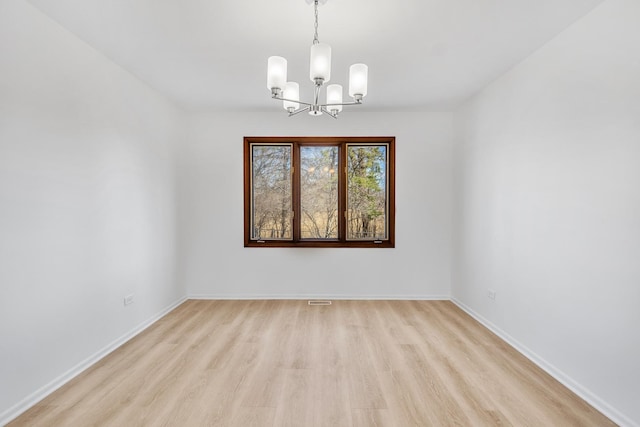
x=300, y=111
x=291, y=100
x=329, y=113
x=310, y=104
x=344, y=103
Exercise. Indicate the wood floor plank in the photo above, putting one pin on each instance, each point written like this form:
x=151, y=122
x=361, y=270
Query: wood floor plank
x=371, y=418
x=284, y=363
x=254, y=417
x=296, y=404
x=331, y=399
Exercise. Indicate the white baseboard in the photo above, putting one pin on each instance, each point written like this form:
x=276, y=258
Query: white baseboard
x=584, y=393
x=319, y=296
x=35, y=397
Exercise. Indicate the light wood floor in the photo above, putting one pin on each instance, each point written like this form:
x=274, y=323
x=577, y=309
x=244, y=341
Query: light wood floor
x=284, y=363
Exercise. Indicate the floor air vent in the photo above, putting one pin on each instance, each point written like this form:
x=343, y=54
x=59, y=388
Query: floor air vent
x=316, y=302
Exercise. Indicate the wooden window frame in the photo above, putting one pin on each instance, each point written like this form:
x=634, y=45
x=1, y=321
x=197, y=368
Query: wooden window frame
x=342, y=143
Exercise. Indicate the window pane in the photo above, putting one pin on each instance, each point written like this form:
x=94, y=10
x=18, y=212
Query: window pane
x=367, y=192
x=271, y=192
x=319, y=192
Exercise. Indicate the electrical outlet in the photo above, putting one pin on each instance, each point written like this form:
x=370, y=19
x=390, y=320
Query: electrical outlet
x=491, y=294
x=128, y=299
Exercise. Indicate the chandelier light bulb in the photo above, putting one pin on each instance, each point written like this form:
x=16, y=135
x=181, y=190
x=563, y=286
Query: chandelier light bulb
x=320, y=62
x=292, y=92
x=276, y=72
x=358, y=76
x=334, y=96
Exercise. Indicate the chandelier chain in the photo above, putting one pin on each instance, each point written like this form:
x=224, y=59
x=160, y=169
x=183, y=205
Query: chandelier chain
x=315, y=34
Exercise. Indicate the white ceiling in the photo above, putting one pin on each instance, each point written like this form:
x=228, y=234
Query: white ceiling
x=422, y=54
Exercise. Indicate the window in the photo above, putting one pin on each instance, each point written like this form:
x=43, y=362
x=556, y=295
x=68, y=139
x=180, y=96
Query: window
x=319, y=191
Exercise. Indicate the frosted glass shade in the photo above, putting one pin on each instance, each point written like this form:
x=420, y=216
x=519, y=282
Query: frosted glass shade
x=334, y=96
x=291, y=91
x=276, y=72
x=320, y=62
x=358, y=76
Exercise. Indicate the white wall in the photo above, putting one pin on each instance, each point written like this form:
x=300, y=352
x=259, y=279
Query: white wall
x=214, y=263
x=547, y=167
x=86, y=204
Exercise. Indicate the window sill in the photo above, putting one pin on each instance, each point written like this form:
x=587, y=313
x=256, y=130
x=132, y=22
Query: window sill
x=319, y=244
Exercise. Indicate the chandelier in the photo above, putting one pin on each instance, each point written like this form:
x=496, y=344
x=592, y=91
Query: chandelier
x=319, y=73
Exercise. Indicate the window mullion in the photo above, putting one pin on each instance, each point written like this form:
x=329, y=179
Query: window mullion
x=295, y=194
x=342, y=193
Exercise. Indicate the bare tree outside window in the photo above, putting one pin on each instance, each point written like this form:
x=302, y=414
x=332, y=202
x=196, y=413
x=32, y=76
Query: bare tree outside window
x=319, y=192
x=271, y=184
